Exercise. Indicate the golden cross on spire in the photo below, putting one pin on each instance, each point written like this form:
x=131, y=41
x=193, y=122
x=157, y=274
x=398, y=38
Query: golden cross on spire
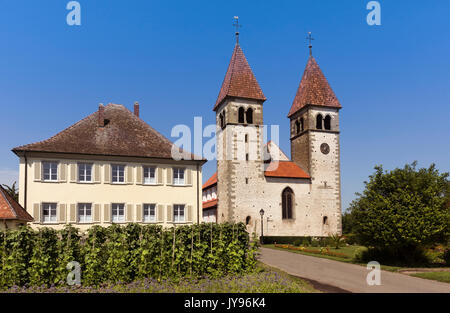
x=237, y=25
x=310, y=39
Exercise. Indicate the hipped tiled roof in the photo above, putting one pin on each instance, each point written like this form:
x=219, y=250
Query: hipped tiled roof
x=211, y=181
x=10, y=209
x=209, y=204
x=285, y=169
x=124, y=134
x=239, y=80
x=314, y=89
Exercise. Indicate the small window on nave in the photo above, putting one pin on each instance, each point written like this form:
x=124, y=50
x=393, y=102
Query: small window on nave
x=287, y=201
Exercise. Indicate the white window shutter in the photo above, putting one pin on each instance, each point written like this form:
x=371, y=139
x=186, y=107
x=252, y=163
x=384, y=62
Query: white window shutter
x=169, y=176
x=37, y=170
x=129, y=213
x=96, y=173
x=37, y=212
x=160, y=214
x=189, y=213
x=129, y=170
x=169, y=213
x=188, y=176
x=107, y=169
x=62, y=169
x=159, y=175
x=107, y=213
x=139, y=174
x=96, y=217
x=73, y=213
x=62, y=213
x=73, y=172
x=139, y=213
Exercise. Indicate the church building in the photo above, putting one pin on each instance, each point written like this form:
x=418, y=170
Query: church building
x=300, y=196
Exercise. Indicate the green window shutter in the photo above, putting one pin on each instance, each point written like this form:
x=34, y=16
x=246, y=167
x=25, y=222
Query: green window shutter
x=62, y=172
x=73, y=213
x=159, y=175
x=129, y=213
x=37, y=170
x=37, y=212
x=107, y=168
x=130, y=179
x=139, y=213
x=73, y=172
x=107, y=213
x=189, y=213
x=170, y=213
x=96, y=218
x=169, y=176
x=62, y=213
x=188, y=176
x=96, y=173
x=139, y=174
x=160, y=214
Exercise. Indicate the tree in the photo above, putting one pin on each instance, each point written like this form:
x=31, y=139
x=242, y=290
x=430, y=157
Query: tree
x=404, y=208
x=12, y=191
x=348, y=222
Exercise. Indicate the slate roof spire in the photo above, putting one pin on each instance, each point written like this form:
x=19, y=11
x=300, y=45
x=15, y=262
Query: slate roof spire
x=239, y=81
x=314, y=89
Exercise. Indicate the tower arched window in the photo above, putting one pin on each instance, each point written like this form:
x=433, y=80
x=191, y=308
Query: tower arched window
x=221, y=121
x=241, y=113
x=319, y=120
x=287, y=203
x=327, y=122
x=249, y=116
x=297, y=127
x=302, y=124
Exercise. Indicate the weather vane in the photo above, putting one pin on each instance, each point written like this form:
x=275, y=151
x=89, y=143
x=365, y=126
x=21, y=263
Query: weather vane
x=310, y=39
x=237, y=25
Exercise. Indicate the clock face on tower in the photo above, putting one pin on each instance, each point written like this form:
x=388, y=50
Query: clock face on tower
x=325, y=148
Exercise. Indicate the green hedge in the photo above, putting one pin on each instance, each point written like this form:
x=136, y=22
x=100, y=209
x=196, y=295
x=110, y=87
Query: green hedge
x=124, y=253
x=299, y=240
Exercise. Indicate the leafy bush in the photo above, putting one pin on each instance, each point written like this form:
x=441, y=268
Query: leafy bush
x=407, y=256
x=446, y=257
x=124, y=254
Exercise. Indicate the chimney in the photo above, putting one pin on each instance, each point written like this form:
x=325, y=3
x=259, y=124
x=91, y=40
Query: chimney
x=101, y=115
x=136, y=108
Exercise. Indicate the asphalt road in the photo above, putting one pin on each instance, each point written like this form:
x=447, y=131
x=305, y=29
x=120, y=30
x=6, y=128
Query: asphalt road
x=344, y=276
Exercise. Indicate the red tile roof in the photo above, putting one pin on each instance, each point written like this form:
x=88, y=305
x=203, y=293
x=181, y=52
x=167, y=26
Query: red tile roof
x=211, y=181
x=124, y=134
x=286, y=169
x=10, y=209
x=239, y=80
x=314, y=89
x=210, y=204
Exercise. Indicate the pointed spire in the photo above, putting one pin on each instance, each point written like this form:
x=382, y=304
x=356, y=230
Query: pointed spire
x=239, y=80
x=314, y=89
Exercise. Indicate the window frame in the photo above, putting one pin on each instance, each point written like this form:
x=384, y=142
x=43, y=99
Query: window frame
x=150, y=207
x=55, y=209
x=50, y=174
x=84, y=211
x=118, y=173
x=116, y=207
x=177, y=180
x=176, y=210
x=85, y=172
x=287, y=213
x=144, y=168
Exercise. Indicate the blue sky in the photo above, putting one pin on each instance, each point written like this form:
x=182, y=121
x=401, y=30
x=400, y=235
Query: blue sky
x=171, y=56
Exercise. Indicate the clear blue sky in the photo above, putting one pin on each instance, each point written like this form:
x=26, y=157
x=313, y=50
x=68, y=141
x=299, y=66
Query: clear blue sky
x=171, y=56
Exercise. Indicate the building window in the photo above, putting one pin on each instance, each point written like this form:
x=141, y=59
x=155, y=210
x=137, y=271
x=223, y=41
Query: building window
x=246, y=137
x=286, y=203
x=50, y=171
x=149, y=175
x=249, y=116
x=118, y=212
x=319, y=119
x=297, y=127
x=327, y=122
x=246, y=157
x=302, y=124
x=178, y=176
x=221, y=120
x=49, y=212
x=118, y=173
x=84, y=172
x=246, y=181
x=325, y=220
x=241, y=113
x=149, y=212
x=247, y=220
x=84, y=212
x=178, y=213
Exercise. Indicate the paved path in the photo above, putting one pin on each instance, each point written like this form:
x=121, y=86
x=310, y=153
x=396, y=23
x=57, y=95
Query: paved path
x=349, y=277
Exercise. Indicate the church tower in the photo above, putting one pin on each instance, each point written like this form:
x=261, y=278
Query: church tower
x=314, y=134
x=239, y=120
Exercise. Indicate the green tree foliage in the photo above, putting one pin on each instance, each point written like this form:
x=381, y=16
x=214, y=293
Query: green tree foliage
x=404, y=208
x=12, y=190
x=124, y=254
